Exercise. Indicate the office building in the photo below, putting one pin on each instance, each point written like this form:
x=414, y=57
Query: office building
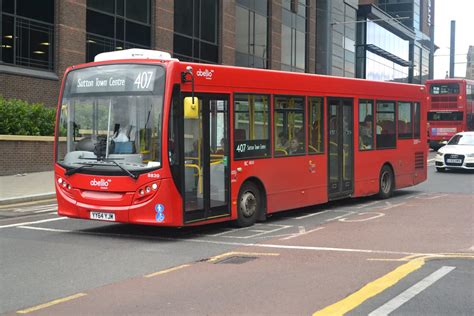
x=351, y=38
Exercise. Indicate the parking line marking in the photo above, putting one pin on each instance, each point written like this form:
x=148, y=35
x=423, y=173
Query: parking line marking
x=35, y=222
x=166, y=271
x=371, y=289
x=312, y=214
x=411, y=292
x=55, y=302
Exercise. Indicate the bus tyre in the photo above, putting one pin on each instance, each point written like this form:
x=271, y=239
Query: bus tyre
x=439, y=169
x=249, y=205
x=386, y=182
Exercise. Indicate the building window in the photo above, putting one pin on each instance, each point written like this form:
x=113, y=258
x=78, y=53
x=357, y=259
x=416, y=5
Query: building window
x=315, y=125
x=27, y=33
x=366, y=124
x=116, y=25
x=293, y=35
x=385, y=129
x=252, y=126
x=289, y=126
x=251, y=33
x=195, y=30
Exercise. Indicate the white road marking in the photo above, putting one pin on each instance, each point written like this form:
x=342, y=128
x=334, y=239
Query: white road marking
x=390, y=205
x=431, y=197
x=340, y=216
x=35, y=208
x=432, y=159
x=367, y=204
x=377, y=215
x=47, y=229
x=35, y=222
x=312, y=214
x=410, y=293
x=302, y=232
x=217, y=242
x=46, y=210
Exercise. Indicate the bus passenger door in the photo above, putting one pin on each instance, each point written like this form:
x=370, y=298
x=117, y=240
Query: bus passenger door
x=341, y=148
x=206, y=172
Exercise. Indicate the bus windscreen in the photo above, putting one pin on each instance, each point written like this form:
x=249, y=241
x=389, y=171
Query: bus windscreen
x=110, y=119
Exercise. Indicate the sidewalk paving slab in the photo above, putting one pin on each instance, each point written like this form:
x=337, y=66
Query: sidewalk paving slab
x=27, y=187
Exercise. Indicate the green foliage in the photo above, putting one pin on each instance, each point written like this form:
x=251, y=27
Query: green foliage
x=18, y=117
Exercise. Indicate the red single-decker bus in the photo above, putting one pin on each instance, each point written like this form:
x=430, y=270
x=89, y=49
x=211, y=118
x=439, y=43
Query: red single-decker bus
x=144, y=138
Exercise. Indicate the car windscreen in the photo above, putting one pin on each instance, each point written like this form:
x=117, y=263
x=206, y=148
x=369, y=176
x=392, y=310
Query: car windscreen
x=461, y=139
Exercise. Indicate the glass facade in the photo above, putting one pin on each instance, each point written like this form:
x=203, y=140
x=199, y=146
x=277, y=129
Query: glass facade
x=293, y=35
x=386, y=40
x=402, y=8
x=116, y=25
x=251, y=33
x=27, y=33
x=195, y=30
x=387, y=55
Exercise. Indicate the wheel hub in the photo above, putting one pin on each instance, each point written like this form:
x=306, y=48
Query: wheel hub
x=248, y=204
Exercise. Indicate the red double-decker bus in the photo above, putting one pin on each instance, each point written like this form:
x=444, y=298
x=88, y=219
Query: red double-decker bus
x=144, y=138
x=450, y=109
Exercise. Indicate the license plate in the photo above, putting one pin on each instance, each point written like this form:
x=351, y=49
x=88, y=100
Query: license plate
x=101, y=216
x=454, y=160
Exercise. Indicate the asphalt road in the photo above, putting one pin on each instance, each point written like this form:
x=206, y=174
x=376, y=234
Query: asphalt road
x=296, y=263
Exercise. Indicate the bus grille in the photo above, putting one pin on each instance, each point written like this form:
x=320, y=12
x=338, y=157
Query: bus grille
x=419, y=160
x=444, y=102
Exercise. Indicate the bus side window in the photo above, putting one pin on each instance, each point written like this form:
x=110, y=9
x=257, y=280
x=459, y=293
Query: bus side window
x=316, y=125
x=366, y=124
x=289, y=125
x=251, y=126
x=385, y=118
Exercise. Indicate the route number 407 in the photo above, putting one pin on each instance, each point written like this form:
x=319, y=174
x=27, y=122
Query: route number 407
x=143, y=80
x=241, y=148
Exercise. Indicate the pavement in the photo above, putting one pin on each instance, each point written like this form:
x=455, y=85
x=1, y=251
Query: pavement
x=27, y=187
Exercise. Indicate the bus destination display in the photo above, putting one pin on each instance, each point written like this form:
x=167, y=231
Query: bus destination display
x=115, y=78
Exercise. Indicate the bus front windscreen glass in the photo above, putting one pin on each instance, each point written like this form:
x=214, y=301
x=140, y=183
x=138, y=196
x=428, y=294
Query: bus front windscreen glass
x=110, y=119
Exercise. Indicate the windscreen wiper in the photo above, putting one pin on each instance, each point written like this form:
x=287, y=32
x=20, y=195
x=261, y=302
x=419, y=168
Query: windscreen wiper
x=77, y=169
x=133, y=176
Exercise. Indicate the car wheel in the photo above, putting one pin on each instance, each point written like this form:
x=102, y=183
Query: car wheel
x=386, y=182
x=249, y=205
x=439, y=169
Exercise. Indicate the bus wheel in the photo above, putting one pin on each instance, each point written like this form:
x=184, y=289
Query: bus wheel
x=249, y=204
x=386, y=182
x=439, y=169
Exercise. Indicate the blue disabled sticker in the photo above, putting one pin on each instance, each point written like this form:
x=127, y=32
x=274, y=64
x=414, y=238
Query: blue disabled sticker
x=160, y=216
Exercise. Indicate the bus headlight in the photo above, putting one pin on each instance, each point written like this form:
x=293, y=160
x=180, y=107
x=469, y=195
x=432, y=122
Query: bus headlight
x=146, y=192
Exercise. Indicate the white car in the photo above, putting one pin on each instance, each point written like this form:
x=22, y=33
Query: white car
x=457, y=154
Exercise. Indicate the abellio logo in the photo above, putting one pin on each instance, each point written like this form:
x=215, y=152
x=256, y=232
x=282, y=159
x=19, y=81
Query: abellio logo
x=205, y=73
x=103, y=184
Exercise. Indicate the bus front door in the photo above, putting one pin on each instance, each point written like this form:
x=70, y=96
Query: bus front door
x=341, y=148
x=206, y=160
